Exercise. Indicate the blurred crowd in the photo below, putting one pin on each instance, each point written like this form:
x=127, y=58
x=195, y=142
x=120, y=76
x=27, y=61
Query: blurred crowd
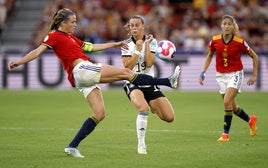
x=188, y=23
x=6, y=7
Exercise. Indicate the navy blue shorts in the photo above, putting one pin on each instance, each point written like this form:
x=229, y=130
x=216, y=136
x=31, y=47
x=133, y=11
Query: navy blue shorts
x=150, y=92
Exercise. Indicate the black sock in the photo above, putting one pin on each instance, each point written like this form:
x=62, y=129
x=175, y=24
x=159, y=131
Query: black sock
x=143, y=79
x=227, y=121
x=242, y=114
x=88, y=126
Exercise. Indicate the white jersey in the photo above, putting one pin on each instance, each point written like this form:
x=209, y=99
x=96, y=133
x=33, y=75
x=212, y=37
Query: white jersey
x=140, y=66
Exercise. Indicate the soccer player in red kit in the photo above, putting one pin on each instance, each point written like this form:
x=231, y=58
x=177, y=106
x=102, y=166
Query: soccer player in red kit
x=83, y=74
x=229, y=72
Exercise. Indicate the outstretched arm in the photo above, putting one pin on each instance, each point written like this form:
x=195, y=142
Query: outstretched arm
x=28, y=57
x=99, y=47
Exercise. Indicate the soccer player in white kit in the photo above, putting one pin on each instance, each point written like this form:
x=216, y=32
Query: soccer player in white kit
x=140, y=58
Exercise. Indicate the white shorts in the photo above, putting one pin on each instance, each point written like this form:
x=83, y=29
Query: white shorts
x=230, y=80
x=86, y=76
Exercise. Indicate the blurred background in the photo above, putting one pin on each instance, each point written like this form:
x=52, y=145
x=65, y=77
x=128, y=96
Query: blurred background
x=189, y=24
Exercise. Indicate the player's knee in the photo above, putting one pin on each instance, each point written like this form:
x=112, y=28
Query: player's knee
x=99, y=115
x=168, y=119
x=127, y=70
x=143, y=108
x=128, y=73
x=227, y=105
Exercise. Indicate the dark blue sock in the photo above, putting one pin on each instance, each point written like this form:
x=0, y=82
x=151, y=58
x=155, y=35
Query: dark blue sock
x=142, y=79
x=227, y=121
x=88, y=126
x=242, y=114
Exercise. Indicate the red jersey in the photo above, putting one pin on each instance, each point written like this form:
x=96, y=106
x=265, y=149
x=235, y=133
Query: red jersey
x=228, y=56
x=67, y=47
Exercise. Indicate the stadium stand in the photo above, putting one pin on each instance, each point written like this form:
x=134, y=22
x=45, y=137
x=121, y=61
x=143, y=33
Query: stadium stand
x=187, y=23
x=22, y=18
x=6, y=9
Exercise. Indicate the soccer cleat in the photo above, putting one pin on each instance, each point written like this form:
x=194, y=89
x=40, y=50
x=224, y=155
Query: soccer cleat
x=224, y=138
x=73, y=152
x=142, y=150
x=174, y=77
x=252, y=125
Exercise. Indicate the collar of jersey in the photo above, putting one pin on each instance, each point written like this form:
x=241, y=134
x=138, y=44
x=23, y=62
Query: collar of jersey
x=135, y=40
x=61, y=31
x=228, y=41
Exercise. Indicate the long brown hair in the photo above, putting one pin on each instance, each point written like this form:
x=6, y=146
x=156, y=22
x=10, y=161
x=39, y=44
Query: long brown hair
x=60, y=16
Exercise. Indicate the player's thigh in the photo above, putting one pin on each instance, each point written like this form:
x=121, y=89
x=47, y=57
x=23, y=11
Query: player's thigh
x=137, y=99
x=162, y=107
x=111, y=73
x=230, y=95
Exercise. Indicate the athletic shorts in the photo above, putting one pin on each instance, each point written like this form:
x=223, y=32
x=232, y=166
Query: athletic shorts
x=86, y=76
x=150, y=92
x=230, y=80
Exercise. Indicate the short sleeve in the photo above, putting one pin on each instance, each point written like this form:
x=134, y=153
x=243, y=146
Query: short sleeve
x=49, y=40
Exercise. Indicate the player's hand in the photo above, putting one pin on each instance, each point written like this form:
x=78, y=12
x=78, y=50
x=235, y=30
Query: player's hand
x=251, y=80
x=121, y=44
x=202, y=77
x=13, y=64
x=139, y=44
x=149, y=39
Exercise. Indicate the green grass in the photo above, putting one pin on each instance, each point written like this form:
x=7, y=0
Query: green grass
x=35, y=126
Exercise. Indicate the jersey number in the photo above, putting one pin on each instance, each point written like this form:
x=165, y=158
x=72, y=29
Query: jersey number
x=225, y=62
x=141, y=66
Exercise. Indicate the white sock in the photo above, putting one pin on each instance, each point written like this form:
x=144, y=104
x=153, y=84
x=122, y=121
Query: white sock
x=141, y=126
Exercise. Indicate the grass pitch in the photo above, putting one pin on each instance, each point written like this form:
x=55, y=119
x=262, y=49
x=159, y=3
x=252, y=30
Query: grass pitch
x=35, y=126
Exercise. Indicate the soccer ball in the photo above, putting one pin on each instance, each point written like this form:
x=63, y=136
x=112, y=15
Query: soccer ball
x=165, y=50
